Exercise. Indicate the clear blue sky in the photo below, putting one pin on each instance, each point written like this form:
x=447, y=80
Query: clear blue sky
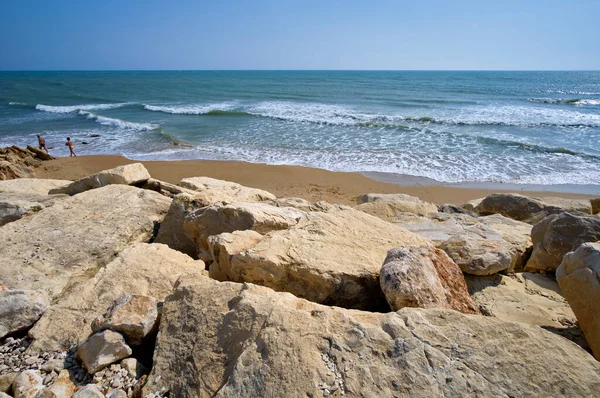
x=301, y=34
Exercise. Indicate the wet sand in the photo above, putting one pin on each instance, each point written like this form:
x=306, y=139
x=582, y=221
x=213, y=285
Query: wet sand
x=289, y=181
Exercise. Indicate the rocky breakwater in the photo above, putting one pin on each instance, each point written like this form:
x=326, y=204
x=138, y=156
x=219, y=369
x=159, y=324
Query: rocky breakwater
x=114, y=299
x=16, y=162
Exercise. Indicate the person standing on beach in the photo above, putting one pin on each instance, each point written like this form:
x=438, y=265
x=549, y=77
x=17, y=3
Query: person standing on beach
x=42, y=143
x=70, y=145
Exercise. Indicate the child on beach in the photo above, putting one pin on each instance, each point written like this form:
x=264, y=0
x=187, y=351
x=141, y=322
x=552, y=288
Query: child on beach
x=42, y=143
x=70, y=145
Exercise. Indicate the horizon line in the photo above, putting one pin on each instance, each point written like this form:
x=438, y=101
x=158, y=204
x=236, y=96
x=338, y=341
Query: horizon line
x=299, y=70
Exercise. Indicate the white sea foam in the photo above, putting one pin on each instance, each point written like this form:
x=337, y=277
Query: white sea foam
x=74, y=108
x=588, y=102
x=122, y=124
x=192, y=109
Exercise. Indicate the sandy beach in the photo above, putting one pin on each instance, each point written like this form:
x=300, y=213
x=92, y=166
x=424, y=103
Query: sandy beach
x=289, y=181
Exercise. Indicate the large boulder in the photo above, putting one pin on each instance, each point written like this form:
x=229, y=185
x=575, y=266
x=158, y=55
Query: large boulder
x=102, y=349
x=165, y=188
x=480, y=246
x=62, y=387
x=389, y=206
x=224, y=246
x=171, y=231
x=329, y=257
x=228, y=217
x=558, y=234
x=424, y=277
x=579, y=279
x=25, y=196
x=530, y=210
x=142, y=269
x=27, y=384
x=23, y=187
x=64, y=245
x=129, y=174
x=211, y=190
x=227, y=340
x=20, y=309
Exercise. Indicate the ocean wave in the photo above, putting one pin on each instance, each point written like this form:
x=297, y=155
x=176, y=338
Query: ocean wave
x=565, y=101
x=122, y=124
x=75, y=108
x=220, y=108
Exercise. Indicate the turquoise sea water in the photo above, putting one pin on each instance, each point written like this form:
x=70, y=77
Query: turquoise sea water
x=512, y=127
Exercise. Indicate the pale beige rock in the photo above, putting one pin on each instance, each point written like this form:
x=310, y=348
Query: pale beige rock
x=223, y=246
x=102, y=349
x=530, y=210
x=30, y=186
x=25, y=196
x=472, y=204
x=424, y=277
x=332, y=258
x=516, y=233
x=229, y=217
x=4, y=395
x=64, y=245
x=12, y=210
x=298, y=203
x=480, y=256
x=388, y=211
x=386, y=197
x=134, y=368
x=144, y=269
x=134, y=316
x=165, y=188
x=171, y=231
x=579, y=279
x=62, y=387
x=125, y=175
x=557, y=235
x=213, y=190
x=226, y=340
x=19, y=309
x=6, y=382
x=595, y=203
x=88, y=391
x=27, y=384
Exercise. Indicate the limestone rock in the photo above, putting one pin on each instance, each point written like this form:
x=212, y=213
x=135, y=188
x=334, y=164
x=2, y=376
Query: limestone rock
x=165, y=188
x=226, y=340
x=12, y=210
x=88, y=391
x=62, y=387
x=579, y=279
x=4, y=395
x=472, y=204
x=479, y=256
x=19, y=309
x=125, y=175
x=297, y=203
x=39, y=153
x=6, y=382
x=386, y=197
x=27, y=384
x=25, y=196
x=424, y=277
x=134, y=316
x=103, y=349
x=64, y=245
x=142, y=269
x=30, y=186
x=171, y=231
x=332, y=258
x=516, y=233
x=223, y=246
x=558, y=234
x=388, y=206
x=222, y=217
x=212, y=190
x=134, y=368
x=530, y=210
x=595, y=203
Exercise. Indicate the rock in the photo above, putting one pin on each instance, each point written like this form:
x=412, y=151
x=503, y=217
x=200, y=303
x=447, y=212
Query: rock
x=25, y=196
x=6, y=382
x=558, y=234
x=19, y=309
x=134, y=368
x=27, y=384
x=171, y=231
x=478, y=256
x=212, y=191
x=12, y=210
x=39, y=153
x=472, y=204
x=424, y=277
x=453, y=209
x=17, y=162
x=142, y=269
x=23, y=187
x=579, y=278
x=134, y=316
x=223, y=246
x=595, y=203
x=166, y=188
x=332, y=258
x=388, y=206
x=55, y=365
x=64, y=245
x=229, y=340
x=386, y=197
x=530, y=210
x=297, y=203
x=88, y=391
x=62, y=387
x=519, y=298
x=103, y=349
x=4, y=395
x=129, y=174
x=116, y=393
x=222, y=217
x=517, y=234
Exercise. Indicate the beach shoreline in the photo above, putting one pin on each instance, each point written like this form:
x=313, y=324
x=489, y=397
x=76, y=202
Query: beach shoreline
x=296, y=181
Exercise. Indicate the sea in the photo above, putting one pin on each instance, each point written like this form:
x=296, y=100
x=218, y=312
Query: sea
x=453, y=127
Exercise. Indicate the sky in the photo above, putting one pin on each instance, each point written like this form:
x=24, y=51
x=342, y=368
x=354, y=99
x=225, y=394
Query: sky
x=301, y=34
